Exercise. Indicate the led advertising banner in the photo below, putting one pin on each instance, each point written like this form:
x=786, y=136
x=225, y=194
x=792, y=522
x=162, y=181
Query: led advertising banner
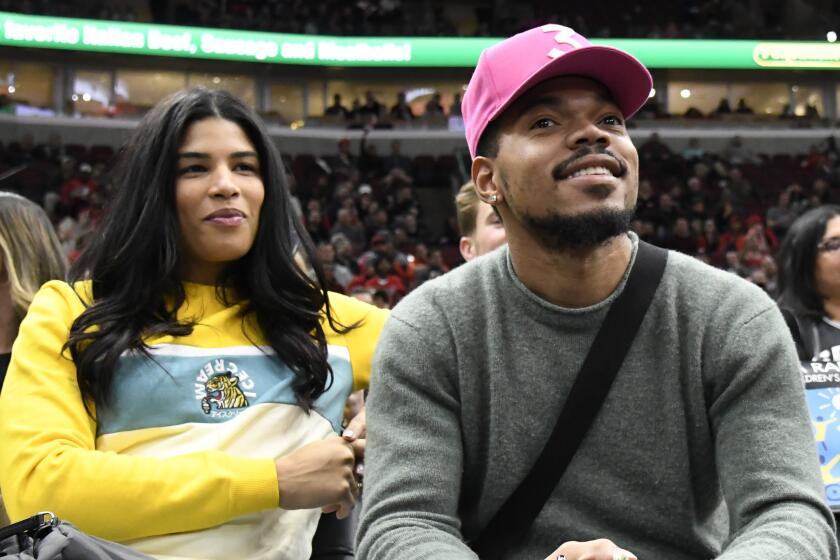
x=18, y=30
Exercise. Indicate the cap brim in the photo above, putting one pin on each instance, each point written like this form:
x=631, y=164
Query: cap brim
x=627, y=79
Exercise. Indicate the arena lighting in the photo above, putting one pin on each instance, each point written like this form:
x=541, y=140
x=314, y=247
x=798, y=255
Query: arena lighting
x=20, y=30
x=685, y=93
x=831, y=36
x=12, y=89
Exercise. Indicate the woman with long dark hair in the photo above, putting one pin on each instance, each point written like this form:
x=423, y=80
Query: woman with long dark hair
x=184, y=392
x=809, y=288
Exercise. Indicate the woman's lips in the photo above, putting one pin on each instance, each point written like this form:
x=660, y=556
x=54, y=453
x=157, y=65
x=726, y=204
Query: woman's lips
x=227, y=220
x=226, y=217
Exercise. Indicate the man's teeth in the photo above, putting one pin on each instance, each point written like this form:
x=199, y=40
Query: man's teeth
x=590, y=171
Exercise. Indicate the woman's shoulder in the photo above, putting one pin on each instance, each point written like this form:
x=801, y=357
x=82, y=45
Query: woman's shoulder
x=78, y=292
x=349, y=311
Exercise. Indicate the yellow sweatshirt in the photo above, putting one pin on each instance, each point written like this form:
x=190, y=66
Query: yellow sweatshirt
x=181, y=463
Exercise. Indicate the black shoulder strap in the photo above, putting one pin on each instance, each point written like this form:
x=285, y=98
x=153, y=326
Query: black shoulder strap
x=801, y=329
x=585, y=398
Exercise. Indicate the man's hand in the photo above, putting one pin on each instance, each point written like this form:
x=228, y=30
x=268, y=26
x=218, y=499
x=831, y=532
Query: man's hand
x=320, y=475
x=602, y=549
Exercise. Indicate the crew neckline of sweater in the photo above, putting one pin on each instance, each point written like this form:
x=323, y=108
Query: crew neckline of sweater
x=537, y=302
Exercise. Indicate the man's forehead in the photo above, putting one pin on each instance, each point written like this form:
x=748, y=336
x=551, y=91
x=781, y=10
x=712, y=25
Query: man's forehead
x=562, y=90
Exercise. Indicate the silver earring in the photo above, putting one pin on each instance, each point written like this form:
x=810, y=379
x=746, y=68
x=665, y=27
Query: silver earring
x=493, y=199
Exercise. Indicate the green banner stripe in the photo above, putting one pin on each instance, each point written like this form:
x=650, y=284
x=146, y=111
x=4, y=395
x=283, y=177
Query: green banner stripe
x=18, y=30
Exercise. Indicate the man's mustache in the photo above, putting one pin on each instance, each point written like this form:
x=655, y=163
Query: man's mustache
x=560, y=170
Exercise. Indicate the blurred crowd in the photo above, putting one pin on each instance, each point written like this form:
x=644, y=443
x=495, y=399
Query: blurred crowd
x=730, y=19
x=730, y=209
x=370, y=112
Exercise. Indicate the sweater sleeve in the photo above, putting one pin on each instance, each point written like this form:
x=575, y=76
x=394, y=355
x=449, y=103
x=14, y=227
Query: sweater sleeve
x=49, y=461
x=360, y=341
x=414, y=460
x=765, y=449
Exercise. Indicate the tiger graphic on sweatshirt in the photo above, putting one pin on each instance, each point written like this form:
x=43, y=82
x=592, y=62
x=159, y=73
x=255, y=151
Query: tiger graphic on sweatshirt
x=223, y=391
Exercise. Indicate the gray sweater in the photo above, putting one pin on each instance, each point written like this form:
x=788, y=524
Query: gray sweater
x=470, y=376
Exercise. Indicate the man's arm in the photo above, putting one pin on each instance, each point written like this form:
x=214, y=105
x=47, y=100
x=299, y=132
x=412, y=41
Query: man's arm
x=765, y=448
x=414, y=458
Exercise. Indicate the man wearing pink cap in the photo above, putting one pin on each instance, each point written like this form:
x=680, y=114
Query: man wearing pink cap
x=699, y=448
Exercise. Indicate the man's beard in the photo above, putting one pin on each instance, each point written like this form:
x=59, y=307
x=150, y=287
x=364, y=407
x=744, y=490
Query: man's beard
x=563, y=233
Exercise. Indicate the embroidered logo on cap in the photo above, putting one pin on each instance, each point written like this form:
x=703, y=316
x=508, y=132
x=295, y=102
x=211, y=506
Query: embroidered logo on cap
x=564, y=37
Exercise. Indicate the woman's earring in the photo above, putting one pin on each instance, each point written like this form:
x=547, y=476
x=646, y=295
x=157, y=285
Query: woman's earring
x=493, y=199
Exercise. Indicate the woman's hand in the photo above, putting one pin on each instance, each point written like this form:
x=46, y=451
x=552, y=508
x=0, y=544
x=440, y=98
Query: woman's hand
x=601, y=549
x=320, y=475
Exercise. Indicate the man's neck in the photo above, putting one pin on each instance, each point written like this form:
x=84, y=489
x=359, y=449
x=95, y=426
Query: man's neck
x=573, y=279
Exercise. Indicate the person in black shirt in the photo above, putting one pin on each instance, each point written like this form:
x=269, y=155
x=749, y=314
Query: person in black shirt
x=809, y=285
x=337, y=109
x=402, y=110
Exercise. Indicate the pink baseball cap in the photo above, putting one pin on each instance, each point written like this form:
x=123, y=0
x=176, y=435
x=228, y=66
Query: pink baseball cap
x=507, y=70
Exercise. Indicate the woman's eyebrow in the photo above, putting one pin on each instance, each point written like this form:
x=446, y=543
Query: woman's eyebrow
x=202, y=155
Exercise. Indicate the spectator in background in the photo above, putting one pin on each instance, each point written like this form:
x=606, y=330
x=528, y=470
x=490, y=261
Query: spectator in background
x=348, y=225
x=740, y=189
x=809, y=296
x=455, y=108
x=742, y=108
x=344, y=253
x=654, y=149
x=737, y=153
x=665, y=216
x=396, y=160
x=386, y=280
x=344, y=162
x=709, y=243
x=723, y=108
x=371, y=110
x=76, y=193
x=337, y=271
x=734, y=265
x=401, y=111
x=770, y=272
x=434, y=106
x=693, y=150
x=680, y=238
x=316, y=225
x=337, y=109
x=481, y=229
x=764, y=237
x=381, y=299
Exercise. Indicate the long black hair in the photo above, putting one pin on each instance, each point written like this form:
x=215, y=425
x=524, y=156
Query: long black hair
x=797, y=259
x=134, y=261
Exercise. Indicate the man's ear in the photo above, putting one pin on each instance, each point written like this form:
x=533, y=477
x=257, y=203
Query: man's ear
x=484, y=178
x=467, y=248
